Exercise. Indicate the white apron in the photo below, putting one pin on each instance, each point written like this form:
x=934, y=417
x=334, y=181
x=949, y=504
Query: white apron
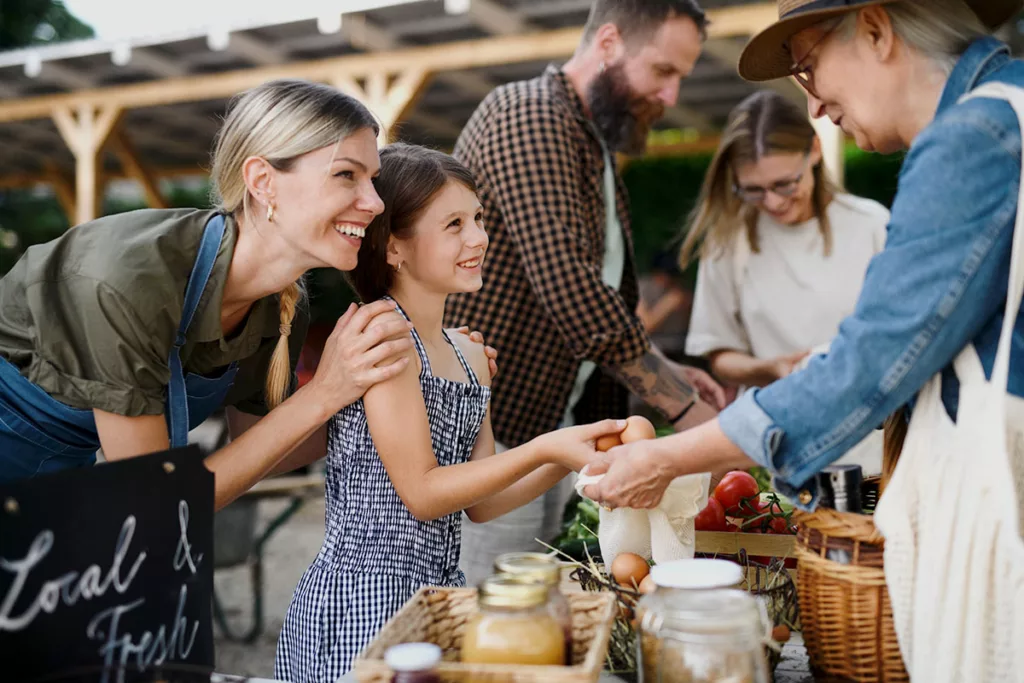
x=952, y=512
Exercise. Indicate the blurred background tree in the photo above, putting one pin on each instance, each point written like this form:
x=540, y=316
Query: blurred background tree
x=38, y=22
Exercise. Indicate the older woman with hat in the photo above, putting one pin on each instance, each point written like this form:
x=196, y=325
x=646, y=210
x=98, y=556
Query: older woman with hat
x=936, y=329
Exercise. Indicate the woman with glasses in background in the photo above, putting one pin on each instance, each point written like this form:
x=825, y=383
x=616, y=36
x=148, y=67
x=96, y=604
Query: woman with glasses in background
x=783, y=251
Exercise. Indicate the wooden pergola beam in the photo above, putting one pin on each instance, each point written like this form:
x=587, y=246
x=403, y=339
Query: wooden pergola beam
x=85, y=130
x=470, y=54
x=133, y=168
x=389, y=101
x=63, y=188
x=17, y=181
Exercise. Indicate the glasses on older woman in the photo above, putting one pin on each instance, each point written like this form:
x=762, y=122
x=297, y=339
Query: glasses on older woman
x=755, y=194
x=802, y=71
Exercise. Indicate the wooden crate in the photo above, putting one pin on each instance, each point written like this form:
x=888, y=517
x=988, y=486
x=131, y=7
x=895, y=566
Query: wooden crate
x=730, y=543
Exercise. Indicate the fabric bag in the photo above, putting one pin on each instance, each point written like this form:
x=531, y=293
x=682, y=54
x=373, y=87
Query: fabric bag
x=665, y=533
x=952, y=512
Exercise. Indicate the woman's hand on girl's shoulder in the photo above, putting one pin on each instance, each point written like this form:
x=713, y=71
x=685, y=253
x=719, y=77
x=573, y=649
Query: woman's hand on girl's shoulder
x=369, y=345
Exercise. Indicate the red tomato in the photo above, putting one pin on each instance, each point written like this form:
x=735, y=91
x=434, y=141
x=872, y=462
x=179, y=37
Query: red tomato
x=731, y=527
x=778, y=525
x=711, y=518
x=733, y=488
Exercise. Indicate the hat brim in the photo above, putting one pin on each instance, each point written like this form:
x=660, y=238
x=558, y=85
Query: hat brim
x=767, y=57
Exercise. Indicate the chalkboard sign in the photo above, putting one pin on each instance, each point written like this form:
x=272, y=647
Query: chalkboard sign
x=106, y=574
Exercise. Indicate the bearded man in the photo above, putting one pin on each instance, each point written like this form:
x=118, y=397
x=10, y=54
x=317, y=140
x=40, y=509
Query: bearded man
x=560, y=291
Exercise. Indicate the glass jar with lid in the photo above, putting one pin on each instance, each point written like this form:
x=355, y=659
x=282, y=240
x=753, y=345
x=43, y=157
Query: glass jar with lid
x=541, y=567
x=702, y=636
x=513, y=625
x=690, y=575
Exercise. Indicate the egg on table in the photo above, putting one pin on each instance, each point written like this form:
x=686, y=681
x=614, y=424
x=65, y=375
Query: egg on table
x=629, y=570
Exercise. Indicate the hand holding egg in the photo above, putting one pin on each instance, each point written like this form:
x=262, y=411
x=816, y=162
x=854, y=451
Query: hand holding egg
x=637, y=429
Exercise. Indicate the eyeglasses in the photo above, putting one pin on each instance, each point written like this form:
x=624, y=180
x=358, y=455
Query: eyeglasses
x=752, y=194
x=802, y=71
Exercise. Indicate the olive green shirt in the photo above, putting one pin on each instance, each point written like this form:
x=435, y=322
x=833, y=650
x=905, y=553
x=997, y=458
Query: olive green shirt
x=90, y=317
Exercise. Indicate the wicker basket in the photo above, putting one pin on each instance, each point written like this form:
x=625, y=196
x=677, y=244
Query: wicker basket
x=439, y=616
x=845, y=611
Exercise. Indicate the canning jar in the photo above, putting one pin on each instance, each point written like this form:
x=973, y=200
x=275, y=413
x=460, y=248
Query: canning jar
x=513, y=625
x=541, y=567
x=702, y=636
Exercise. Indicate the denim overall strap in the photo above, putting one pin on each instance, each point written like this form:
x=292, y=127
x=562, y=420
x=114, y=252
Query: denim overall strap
x=177, y=400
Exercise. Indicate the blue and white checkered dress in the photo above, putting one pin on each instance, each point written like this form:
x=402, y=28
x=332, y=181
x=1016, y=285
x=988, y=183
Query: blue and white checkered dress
x=375, y=554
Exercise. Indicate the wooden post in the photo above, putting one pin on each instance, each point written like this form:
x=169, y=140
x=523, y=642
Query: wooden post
x=133, y=168
x=389, y=102
x=63, y=188
x=833, y=143
x=85, y=131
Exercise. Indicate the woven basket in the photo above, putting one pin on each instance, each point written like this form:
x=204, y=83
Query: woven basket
x=440, y=615
x=845, y=611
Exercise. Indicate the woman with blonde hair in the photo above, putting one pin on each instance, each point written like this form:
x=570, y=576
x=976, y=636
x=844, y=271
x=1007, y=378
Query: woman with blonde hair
x=128, y=331
x=936, y=334
x=783, y=251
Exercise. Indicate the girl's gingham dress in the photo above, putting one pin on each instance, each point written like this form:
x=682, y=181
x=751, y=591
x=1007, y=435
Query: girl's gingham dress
x=375, y=554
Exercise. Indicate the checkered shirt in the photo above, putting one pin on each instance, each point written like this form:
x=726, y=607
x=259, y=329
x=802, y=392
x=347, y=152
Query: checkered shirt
x=539, y=164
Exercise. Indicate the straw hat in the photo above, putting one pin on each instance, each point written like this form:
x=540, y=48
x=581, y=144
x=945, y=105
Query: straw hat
x=767, y=57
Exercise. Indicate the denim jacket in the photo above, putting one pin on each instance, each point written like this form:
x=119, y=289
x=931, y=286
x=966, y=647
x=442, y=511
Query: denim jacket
x=939, y=284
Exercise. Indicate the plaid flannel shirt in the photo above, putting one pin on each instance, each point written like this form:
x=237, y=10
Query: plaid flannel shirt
x=544, y=306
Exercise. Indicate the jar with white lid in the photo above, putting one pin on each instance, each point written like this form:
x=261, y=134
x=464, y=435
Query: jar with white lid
x=698, y=574
x=702, y=636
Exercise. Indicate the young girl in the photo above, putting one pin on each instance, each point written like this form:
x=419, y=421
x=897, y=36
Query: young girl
x=415, y=452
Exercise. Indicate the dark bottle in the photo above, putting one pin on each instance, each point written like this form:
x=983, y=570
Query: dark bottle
x=839, y=489
x=414, y=662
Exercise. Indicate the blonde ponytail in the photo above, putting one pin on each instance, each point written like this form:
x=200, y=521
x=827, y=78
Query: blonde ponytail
x=279, y=374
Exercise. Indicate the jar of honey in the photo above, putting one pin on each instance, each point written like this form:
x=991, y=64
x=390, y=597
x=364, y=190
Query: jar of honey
x=544, y=568
x=513, y=625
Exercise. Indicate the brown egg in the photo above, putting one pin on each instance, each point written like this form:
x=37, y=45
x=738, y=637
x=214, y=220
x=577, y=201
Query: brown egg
x=648, y=585
x=629, y=570
x=780, y=634
x=607, y=442
x=637, y=428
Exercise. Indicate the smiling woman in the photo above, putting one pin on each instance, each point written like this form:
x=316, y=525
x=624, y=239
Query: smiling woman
x=128, y=331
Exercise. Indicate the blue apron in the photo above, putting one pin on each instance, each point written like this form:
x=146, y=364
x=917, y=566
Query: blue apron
x=39, y=434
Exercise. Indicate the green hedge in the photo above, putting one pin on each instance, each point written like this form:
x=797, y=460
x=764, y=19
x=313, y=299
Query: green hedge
x=662, y=192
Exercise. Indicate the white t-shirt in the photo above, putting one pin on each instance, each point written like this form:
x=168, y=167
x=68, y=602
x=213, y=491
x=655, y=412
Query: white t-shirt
x=788, y=297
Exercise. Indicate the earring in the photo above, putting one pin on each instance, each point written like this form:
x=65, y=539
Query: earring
x=270, y=212
x=399, y=268
x=600, y=69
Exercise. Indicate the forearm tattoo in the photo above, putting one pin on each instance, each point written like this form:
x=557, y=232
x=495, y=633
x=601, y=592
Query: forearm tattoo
x=658, y=382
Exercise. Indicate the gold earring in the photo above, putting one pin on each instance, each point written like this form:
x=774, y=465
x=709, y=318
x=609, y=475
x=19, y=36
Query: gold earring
x=270, y=212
